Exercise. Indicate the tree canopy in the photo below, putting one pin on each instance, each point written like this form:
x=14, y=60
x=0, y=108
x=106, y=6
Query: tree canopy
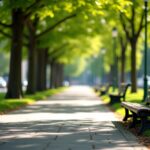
x=70, y=33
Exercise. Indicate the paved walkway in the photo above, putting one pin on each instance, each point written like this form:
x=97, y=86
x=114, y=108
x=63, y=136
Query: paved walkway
x=73, y=120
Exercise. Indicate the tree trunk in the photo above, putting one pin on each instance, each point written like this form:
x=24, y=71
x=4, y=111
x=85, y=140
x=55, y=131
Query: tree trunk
x=61, y=75
x=57, y=75
x=133, y=67
x=41, y=69
x=32, y=62
x=123, y=61
x=32, y=55
x=39, y=84
x=45, y=69
x=52, y=75
x=14, y=83
x=123, y=43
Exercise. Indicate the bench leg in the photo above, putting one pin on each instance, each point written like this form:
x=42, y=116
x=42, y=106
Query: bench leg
x=127, y=115
x=134, y=121
x=114, y=99
x=143, y=125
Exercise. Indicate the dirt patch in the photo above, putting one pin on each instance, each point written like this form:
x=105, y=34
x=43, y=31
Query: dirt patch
x=144, y=140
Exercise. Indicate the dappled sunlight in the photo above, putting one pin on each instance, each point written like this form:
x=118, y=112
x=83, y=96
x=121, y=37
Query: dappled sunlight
x=58, y=135
x=48, y=46
x=67, y=107
x=63, y=116
x=64, y=123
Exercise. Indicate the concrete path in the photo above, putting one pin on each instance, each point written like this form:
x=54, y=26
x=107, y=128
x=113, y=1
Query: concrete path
x=73, y=120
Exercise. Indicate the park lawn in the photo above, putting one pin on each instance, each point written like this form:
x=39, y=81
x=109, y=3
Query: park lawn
x=13, y=104
x=131, y=97
x=44, y=94
x=7, y=105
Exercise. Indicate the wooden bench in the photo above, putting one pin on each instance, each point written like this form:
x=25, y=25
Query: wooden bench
x=97, y=88
x=114, y=98
x=139, y=114
x=104, y=90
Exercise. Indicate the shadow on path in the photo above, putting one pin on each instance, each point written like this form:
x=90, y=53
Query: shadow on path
x=73, y=120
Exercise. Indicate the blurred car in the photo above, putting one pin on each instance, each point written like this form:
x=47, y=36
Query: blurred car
x=3, y=83
x=5, y=77
x=66, y=83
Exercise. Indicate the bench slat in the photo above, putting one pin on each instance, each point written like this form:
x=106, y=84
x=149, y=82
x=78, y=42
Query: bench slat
x=141, y=111
x=135, y=107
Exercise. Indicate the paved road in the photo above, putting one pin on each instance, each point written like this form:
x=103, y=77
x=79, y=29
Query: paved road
x=73, y=120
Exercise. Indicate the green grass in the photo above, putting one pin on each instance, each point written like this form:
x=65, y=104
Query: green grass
x=44, y=94
x=130, y=97
x=7, y=105
x=13, y=104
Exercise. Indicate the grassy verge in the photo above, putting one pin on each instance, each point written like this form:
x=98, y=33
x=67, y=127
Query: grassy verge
x=7, y=105
x=131, y=97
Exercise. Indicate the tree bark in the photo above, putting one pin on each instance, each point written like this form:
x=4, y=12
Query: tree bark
x=132, y=31
x=133, y=67
x=57, y=75
x=14, y=83
x=31, y=88
x=123, y=60
x=123, y=43
x=41, y=69
x=52, y=75
x=32, y=59
x=61, y=75
x=45, y=69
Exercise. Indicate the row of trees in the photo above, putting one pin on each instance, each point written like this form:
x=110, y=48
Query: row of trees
x=56, y=33
x=43, y=29
x=130, y=24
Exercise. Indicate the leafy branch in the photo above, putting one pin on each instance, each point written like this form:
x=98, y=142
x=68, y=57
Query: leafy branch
x=5, y=34
x=56, y=24
x=5, y=25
